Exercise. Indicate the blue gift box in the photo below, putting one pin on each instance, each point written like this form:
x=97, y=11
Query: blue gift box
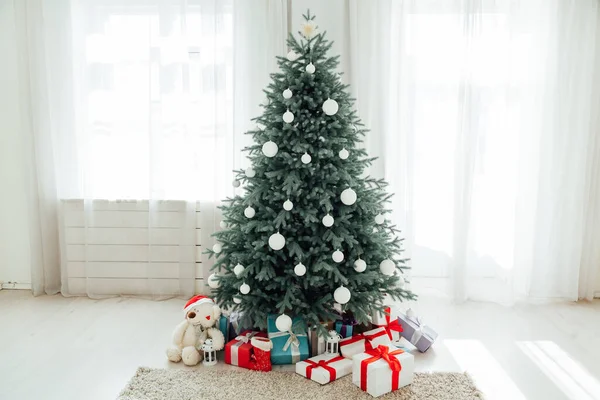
x=288, y=347
x=345, y=330
x=238, y=322
x=223, y=326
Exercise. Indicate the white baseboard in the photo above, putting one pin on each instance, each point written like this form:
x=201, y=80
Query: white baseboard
x=597, y=294
x=15, y=285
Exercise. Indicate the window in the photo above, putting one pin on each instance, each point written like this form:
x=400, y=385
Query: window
x=154, y=95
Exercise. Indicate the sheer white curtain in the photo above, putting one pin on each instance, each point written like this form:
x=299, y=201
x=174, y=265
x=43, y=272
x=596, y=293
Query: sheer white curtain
x=133, y=133
x=485, y=115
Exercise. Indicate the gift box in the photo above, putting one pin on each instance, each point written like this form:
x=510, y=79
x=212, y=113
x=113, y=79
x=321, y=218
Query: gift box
x=345, y=330
x=416, y=332
x=382, y=370
x=364, y=341
x=324, y=368
x=345, y=326
x=288, y=347
x=239, y=350
x=316, y=343
x=238, y=323
x=388, y=320
x=223, y=325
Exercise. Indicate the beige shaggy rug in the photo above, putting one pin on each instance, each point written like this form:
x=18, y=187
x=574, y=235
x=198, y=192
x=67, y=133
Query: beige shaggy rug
x=175, y=384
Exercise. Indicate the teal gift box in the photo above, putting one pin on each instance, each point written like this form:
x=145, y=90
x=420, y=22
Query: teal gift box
x=224, y=327
x=345, y=330
x=288, y=347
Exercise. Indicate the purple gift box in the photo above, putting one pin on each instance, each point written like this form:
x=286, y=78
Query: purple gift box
x=416, y=332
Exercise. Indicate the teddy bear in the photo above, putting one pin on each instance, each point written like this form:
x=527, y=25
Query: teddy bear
x=201, y=315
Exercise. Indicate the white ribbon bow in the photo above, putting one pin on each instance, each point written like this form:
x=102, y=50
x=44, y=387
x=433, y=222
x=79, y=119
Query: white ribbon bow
x=419, y=331
x=293, y=342
x=244, y=338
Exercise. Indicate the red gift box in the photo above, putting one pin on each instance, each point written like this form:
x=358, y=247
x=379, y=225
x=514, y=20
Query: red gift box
x=239, y=350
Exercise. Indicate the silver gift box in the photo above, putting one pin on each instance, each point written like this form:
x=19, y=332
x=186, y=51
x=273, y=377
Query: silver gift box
x=416, y=332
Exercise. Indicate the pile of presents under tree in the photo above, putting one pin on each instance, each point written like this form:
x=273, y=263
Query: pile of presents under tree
x=378, y=355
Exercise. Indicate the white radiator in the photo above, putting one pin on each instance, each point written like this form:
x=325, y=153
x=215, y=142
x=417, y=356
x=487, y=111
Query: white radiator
x=123, y=255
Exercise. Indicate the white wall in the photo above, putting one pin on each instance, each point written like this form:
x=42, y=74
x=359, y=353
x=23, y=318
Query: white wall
x=14, y=237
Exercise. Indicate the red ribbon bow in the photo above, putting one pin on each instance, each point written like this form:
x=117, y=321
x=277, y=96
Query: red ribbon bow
x=381, y=352
x=322, y=364
x=362, y=336
x=391, y=325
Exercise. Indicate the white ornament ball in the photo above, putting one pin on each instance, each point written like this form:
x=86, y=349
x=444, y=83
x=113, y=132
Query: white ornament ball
x=217, y=248
x=342, y=295
x=237, y=300
x=249, y=212
x=238, y=269
x=287, y=94
x=288, y=117
x=250, y=172
x=213, y=282
x=348, y=197
x=400, y=282
x=245, y=288
x=223, y=225
x=288, y=205
x=306, y=158
x=292, y=55
x=387, y=267
x=310, y=68
x=283, y=323
x=269, y=149
x=360, y=265
x=327, y=220
x=343, y=154
x=337, y=256
x=300, y=269
x=379, y=219
x=276, y=241
x=236, y=183
x=330, y=107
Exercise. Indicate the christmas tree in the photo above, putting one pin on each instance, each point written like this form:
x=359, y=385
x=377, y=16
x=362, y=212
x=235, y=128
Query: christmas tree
x=310, y=230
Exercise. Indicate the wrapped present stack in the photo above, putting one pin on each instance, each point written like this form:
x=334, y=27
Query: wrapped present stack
x=377, y=365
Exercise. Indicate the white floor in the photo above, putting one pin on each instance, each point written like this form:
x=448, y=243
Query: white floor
x=77, y=348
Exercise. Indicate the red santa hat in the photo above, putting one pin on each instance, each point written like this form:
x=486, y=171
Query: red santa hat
x=196, y=301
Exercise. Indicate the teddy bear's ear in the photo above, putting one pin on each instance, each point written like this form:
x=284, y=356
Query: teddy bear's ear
x=216, y=312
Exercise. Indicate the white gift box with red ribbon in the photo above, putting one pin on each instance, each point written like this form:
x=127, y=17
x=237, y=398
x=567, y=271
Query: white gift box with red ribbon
x=324, y=368
x=364, y=341
x=389, y=320
x=382, y=370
